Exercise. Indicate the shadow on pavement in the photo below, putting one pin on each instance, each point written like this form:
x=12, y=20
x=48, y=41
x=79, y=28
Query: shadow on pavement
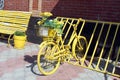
x=33, y=64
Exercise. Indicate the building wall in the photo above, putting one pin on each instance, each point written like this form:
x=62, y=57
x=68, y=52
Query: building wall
x=35, y=7
x=20, y=5
x=106, y=10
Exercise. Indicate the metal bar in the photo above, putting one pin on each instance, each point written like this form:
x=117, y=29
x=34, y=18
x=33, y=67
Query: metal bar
x=89, y=45
x=96, y=45
x=81, y=26
x=118, y=53
x=73, y=33
x=65, y=24
x=70, y=25
x=94, y=69
x=111, y=49
x=103, y=47
x=9, y=40
x=102, y=21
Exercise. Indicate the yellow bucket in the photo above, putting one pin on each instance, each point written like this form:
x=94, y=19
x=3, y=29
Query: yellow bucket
x=51, y=32
x=19, y=41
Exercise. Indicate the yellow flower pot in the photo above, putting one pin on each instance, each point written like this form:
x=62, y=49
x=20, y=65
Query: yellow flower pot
x=51, y=32
x=19, y=41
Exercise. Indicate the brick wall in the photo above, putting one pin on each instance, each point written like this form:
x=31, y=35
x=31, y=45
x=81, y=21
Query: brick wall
x=20, y=5
x=106, y=10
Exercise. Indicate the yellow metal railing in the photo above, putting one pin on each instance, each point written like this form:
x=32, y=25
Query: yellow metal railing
x=68, y=26
x=102, y=38
x=100, y=63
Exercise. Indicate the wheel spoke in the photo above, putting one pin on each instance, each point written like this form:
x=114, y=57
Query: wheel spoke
x=45, y=64
x=79, y=48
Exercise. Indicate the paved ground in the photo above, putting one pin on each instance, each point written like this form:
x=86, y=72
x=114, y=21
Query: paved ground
x=21, y=65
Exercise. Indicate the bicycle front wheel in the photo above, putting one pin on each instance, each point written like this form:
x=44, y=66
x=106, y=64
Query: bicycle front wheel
x=46, y=65
x=79, y=47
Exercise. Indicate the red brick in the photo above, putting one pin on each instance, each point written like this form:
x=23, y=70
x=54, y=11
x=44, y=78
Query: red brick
x=72, y=8
x=22, y=5
x=85, y=9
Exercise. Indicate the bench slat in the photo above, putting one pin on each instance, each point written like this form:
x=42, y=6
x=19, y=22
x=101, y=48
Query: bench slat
x=19, y=14
x=10, y=21
x=6, y=25
x=8, y=30
x=14, y=20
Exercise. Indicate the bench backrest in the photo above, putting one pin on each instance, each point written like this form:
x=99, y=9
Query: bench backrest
x=17, y=19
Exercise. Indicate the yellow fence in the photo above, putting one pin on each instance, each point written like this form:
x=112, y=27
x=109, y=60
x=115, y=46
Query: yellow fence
x=103, y=51
x=68, y=27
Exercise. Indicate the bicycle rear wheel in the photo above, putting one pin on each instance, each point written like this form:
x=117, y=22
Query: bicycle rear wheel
x=79, y=47
x=46, y=65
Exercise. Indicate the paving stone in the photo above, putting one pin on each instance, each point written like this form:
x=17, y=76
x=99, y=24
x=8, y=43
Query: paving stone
x=82, y=75
x=77, y=79
x=13, y=66
x=7, y=76
x=3, y=58
x=30, y=78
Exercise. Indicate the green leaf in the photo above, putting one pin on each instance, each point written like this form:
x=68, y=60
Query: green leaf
x=19, y=33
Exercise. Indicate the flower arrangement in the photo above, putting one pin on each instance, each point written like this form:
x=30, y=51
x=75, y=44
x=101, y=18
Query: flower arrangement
x=45, y=16
x=50, y=23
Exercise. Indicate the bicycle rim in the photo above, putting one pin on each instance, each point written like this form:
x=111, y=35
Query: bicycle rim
x=79, y=48
x=47, y=66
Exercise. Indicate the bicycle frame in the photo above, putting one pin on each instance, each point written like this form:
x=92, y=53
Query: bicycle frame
x=55, y=50
x=65, y=49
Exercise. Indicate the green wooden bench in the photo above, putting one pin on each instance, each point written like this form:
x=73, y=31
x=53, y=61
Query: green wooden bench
x=12, y=21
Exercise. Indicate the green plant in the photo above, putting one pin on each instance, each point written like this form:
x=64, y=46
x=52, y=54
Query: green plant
x=50, y=23
x=45, y=16
x=19, y=33
x=54, y=24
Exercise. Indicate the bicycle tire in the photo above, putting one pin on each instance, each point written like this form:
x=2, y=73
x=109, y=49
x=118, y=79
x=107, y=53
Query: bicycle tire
x=79, y=47
x=44, y=65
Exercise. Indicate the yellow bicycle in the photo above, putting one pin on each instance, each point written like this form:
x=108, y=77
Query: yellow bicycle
x=54, y=52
